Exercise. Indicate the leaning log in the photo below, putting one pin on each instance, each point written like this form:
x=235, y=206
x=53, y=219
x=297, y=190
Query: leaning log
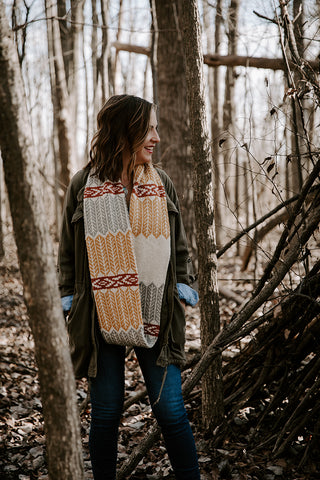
x=215, y=60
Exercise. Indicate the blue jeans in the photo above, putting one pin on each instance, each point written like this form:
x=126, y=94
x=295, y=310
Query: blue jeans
x=107, y=395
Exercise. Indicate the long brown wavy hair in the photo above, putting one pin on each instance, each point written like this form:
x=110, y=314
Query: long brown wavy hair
x=123, y=124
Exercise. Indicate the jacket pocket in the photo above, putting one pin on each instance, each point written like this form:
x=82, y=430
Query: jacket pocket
x=79, y=330
x=178, y=321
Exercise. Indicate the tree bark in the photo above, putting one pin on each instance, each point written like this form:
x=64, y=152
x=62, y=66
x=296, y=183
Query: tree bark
x=37, y=268
x=104, y=63
x=216, y=127
x=94, y=61
x=229, y=103
x=61, y=104
x=297, y=136
x=212, y=394
x=116, y=67
x=73, y=79
x=66, y=38
x=173, y=108
x=1, y=220
x=214, y=91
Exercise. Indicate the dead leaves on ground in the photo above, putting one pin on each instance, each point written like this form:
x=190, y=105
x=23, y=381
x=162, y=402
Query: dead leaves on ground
x=22, y=441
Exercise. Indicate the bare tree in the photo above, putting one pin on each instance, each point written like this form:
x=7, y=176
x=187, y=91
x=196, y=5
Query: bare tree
x=105, y=73
x=116, y=67
x=71, y=30
x=37, y=268
x=214, y=95
x=60, y=99
x=173, y=108
x=1, y=219
x=74, y=69
x=102, y=68
x=229, y=103
x=212, y=396
x=18, y=18
x=293, y=81
x=216, y=125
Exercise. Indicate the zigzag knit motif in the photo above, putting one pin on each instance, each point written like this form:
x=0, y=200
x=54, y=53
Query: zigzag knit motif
x=128, y=255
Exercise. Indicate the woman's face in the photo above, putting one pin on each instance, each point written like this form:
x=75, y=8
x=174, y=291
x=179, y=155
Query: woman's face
x=144, y=155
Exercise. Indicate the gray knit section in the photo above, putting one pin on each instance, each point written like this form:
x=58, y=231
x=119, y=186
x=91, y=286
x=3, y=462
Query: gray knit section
x=129, y=337
x=151, y=301
x=106, y=215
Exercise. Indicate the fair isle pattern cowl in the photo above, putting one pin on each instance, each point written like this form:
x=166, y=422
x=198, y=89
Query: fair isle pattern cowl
x=128, y=255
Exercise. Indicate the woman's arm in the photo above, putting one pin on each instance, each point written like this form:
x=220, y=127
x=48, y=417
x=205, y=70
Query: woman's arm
x=184, y=269
x=66, y=254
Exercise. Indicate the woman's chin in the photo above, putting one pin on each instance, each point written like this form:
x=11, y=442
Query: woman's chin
x=143, y=161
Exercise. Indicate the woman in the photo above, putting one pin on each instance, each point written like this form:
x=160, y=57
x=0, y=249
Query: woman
x=122, y=261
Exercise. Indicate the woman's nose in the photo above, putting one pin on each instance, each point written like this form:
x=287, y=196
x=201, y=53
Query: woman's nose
x=156, y=137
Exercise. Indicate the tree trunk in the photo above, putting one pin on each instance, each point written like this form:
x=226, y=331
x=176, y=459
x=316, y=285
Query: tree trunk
x=88, y=117
x=104, y=63
x=229, y=103
x=173, y=108
x=298, y=136
x=212, y=395
x=65, y=37
x=1, y=221
x=61, y=101
x=37, y=268
x=94, y=61
x=214, y=95
x=154, y=64
x=116, y=67
x=73, y=77
x=216, y=126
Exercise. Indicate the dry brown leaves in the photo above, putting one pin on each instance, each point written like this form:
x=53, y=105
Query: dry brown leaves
x=22, y=441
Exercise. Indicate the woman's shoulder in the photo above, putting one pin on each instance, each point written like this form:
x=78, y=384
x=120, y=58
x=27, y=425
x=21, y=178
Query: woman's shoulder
x=79, y=179
x=169, y=187
x=164, y=177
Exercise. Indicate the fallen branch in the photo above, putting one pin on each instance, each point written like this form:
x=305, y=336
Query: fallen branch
x=215, y=60
x=139, y=452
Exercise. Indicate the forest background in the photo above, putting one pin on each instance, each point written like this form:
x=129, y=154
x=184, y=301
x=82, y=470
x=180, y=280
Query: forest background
x=240, y=139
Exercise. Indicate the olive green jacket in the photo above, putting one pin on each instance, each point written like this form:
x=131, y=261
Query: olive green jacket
x=74, y=279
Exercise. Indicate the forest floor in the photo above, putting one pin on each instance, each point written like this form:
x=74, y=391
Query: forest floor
x=22, y=439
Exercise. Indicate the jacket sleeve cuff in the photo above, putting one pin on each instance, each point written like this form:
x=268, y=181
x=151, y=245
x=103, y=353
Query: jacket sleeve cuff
x=66, y=303
x=188, y=294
